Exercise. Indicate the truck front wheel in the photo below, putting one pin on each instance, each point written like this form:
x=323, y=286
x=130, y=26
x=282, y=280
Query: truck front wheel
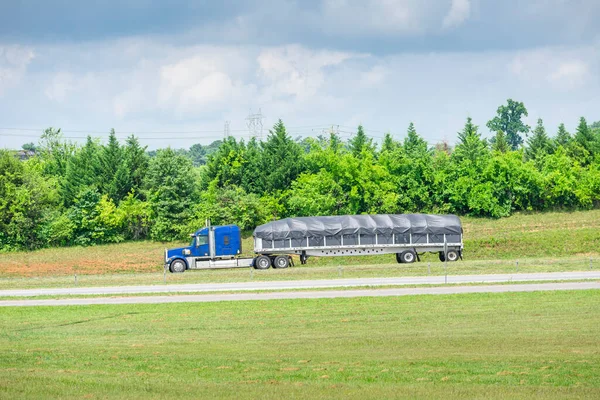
x=177, y=266
x=262, y=262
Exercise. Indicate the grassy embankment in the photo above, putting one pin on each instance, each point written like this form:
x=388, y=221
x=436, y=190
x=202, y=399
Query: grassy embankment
x=540, y=242
x=517, y=345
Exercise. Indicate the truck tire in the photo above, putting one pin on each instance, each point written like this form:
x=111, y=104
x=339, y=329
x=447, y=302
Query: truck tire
x=408, y=256
x=281, y=262
x=442, y=256
x=262, y=262
x=452, y=255
x=177, y=266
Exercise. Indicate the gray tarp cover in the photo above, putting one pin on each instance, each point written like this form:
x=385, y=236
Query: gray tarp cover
x=386, y=224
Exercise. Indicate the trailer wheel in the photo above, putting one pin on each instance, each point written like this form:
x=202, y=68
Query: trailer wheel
x=177, y=266
x=408, y=256
x=281, y=262
x=262, y=262
x=452, y=255
x=398, y=258
x=442, y=256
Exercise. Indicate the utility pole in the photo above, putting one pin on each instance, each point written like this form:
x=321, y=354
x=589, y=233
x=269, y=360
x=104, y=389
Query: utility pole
x=255, y=124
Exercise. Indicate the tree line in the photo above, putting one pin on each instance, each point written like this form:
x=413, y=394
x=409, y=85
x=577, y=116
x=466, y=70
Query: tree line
x=71, y=194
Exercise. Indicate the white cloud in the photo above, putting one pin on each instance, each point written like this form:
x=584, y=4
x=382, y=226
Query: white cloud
x=460, y=10
x=562, y=69
x=295, y=70
x=61, y=85
x=359, y=17
x=570, y=73
x=13, y=64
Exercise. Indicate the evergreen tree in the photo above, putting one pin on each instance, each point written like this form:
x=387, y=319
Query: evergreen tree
x=82, y=171
x=388, y=143
x=360, y=142
x=335, y=143
x=282, y=159
x=563, y=138
x=508, y=120
x=538, y=144
x=130, y=174
x=584, y=136
x=470, y=144
x=499, y=144
x=111, y=159
x=413, y=143
x=253, y=174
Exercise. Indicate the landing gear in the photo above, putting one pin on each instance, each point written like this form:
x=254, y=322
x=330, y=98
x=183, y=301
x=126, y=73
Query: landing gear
x=303, y=258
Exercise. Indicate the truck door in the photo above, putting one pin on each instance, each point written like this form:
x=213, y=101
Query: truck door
x=202, y=246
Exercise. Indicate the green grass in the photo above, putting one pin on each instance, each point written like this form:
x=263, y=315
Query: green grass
x=574, y=235
x=516, y=345
x=306, y=272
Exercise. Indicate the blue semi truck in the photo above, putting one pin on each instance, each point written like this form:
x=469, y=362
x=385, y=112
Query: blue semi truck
x=405, y=235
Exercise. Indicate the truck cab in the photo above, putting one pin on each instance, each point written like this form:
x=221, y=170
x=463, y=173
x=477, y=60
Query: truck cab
x=208, y=244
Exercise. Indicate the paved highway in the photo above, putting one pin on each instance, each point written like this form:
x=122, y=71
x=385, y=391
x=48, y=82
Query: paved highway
x=305, y=284
x=308, y=295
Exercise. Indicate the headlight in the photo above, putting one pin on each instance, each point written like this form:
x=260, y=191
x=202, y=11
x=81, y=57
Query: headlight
x=187, y=252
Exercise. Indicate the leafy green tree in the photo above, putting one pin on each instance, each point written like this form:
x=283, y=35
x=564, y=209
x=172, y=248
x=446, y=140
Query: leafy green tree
x=29, y=147
x=136, y=217
x=508, y=120
x=25, y=197
x=55, y=152
x=227, y=166
x=315, y=194
x=539, y=144
x=170, y=186
x=499, y=144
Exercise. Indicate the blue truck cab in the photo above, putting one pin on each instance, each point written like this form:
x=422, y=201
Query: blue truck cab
x=208, y=244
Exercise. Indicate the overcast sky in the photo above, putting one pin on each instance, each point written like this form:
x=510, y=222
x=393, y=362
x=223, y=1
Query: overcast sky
x=174, y=73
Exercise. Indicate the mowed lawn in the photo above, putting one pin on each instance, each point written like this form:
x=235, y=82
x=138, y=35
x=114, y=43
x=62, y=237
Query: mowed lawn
x=540, y=235
x=513, y=345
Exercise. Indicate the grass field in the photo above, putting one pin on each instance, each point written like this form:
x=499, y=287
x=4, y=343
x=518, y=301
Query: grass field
x=548, y=235
x=516, y=345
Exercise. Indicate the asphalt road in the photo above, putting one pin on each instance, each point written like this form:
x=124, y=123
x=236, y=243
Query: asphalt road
x=304, y=284
x=308, y=295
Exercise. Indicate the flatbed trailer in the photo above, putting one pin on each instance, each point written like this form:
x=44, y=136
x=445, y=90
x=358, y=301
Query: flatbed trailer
x=406, y=235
